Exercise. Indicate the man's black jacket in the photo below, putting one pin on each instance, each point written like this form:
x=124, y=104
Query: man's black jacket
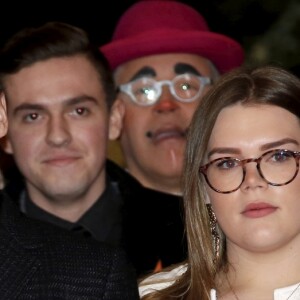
x=41, y=261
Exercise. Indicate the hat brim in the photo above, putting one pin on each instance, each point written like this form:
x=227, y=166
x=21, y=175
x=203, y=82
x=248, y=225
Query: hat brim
x=223, y=51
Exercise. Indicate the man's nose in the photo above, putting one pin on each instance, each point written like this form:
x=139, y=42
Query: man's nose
x=58, y=132
x=166, y=102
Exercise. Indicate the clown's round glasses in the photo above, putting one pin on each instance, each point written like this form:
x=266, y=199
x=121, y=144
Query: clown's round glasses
x=146, y=91
x=226, y=174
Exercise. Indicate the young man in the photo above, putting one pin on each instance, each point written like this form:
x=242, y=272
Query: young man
x=59, y=91
x=41, y=261
x=164, y=59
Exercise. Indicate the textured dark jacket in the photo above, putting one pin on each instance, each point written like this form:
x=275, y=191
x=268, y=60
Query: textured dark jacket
x=153, y=226
x=41, y=261
x=152, y=221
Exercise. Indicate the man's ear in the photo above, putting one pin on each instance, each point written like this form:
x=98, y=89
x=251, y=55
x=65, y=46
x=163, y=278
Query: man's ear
x=116, y=119
x=3, y=115
x=5, y=144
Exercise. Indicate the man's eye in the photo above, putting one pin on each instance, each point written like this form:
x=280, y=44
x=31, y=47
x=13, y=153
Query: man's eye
x=146, y=90
x=81, y=111
x=185, y=86
x=31, y=117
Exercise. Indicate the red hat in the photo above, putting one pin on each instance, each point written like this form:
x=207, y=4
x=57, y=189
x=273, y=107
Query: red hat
x=162, y=26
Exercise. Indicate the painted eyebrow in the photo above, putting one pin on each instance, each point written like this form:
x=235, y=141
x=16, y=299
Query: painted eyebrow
x=67, y=103
x=266, y=146
x=145, y=71
x=182, y=68
x=179, y=68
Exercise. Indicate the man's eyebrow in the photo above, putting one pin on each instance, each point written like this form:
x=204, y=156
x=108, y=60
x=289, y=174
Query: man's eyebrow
x=144, y=71
x=28, y=106
x=182, y=68
x=80, y=99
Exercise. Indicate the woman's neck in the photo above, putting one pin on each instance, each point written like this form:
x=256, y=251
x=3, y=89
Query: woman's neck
x=257, y=275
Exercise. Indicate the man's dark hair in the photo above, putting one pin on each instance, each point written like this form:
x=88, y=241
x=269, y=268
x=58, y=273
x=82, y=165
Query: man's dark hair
x=53, y=40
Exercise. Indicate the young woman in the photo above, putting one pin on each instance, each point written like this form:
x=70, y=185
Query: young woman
x=242, y=193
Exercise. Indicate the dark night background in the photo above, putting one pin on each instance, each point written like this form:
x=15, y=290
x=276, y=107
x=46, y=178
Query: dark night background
x=269, y=30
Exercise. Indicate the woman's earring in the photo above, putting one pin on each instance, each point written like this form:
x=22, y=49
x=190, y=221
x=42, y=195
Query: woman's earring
x=214, y=231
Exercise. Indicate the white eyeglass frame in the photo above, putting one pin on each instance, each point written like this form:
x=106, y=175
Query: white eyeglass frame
x=127, y=88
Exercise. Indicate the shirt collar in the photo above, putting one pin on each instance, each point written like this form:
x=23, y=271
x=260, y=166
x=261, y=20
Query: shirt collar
x=102, y=221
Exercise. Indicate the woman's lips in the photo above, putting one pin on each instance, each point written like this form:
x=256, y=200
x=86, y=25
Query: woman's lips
x=258, y=210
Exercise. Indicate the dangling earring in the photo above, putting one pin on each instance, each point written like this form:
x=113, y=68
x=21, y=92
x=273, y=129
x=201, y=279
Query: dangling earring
x=214, y=231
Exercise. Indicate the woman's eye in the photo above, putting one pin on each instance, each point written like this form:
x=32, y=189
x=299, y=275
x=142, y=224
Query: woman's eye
x=281, y=156
x=227, y=164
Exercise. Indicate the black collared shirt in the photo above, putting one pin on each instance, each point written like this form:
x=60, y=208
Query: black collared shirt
x=103, y=221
